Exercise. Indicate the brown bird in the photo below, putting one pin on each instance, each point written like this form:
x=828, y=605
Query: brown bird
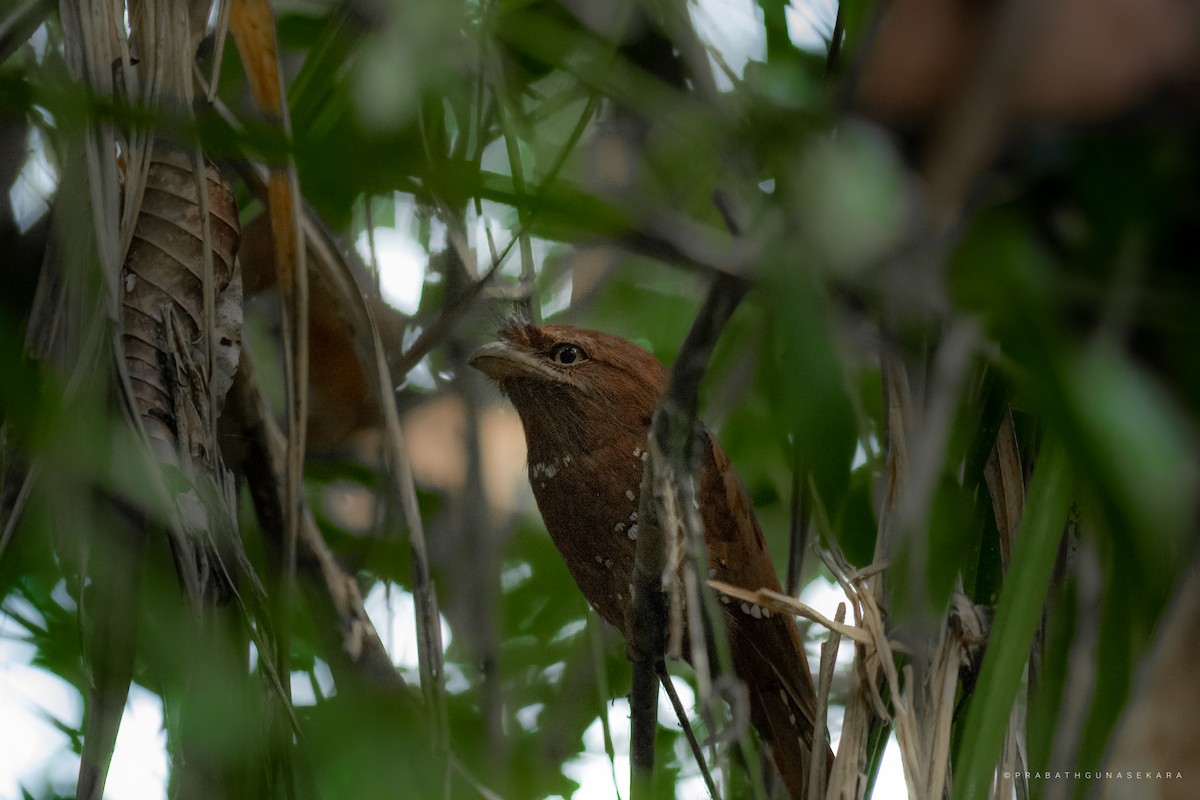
x=586, y=400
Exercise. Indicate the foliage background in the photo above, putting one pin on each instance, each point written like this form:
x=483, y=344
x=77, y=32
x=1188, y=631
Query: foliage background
x=1033, y=261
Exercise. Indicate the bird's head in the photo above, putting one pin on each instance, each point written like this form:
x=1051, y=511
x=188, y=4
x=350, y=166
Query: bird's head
x=575, y=389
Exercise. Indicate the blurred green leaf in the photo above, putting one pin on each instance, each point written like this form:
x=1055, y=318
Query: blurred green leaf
x=803, y=378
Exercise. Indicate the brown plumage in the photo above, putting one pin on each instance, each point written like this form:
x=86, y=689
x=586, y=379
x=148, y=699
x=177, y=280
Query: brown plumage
x=586, y=400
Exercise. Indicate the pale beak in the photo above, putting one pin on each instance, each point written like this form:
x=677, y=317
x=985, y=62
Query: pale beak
x=500, y=360
x=497, y=360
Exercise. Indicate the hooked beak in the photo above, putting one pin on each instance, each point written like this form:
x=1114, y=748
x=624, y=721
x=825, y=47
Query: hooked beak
x=497, y=360
x=500, y=360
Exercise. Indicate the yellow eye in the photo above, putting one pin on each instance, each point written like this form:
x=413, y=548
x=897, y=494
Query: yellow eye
x=567, y=354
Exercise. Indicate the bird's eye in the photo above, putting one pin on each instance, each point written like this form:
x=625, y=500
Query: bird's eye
x=566, y=354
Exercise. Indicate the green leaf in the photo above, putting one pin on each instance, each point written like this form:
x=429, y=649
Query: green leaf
x=1017, y=616
x=803, y=378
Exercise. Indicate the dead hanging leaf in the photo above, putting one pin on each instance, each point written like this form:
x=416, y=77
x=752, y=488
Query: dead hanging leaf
x=253, y=26
x=163, y=289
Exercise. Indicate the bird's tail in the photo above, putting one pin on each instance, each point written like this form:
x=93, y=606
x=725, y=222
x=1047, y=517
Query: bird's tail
x=782, y=706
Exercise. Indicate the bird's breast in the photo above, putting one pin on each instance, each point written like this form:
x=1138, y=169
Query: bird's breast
x=589, y=502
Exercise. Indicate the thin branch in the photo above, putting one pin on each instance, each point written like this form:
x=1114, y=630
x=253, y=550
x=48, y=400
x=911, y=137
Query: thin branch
x=433, y=335
x=28, y=481
x=927, y=429
x=254, y=32
x=647, y=626
x=784, y=604
x=685, y=723
x=472, y=781
x=798, y=527
x=829, y=650
x=673, y=453
x=835, y=43
x=354, y=304
x=479, y=552
x=429, y=630
x=333, y=593
x=19, y=25
x=219, y=36
x=369, y=224
x=516, y=169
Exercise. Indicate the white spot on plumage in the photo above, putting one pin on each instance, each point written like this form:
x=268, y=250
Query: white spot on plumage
x=633, y=532
x=756, y=611
x=551, y=471
x=637, y=452
x=745, y=608
x=620, y=526
x=629, y=493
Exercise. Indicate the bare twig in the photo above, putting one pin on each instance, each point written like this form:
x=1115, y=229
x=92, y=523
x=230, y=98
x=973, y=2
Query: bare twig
x=28, y=481
x=219, y=35
x=354, y=304
x=516, y=169
x=835, y=43
x=480, y=552
x=19, y=25
x=647, y=626
x=798, y=527
x=829, y=649
x=783, y=604
x=672, y=447
x=680, y=241
x=928, y=426
x=693, y=743
x=252, y=24
x=454, y=311
x=429, y=629
x=332, y=593
x=866, y=707
x=472, y=781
